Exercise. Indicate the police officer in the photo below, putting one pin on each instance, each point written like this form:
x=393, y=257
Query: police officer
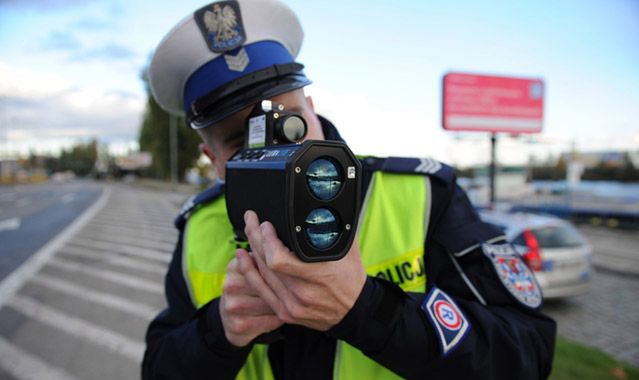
x=426, y=291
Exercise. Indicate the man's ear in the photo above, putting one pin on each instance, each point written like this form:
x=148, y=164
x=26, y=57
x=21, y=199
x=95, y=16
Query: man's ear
x=309, y=101
x=208, y=152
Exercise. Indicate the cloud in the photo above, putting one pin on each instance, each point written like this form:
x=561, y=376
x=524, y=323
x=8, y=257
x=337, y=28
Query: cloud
x=109, y=52
x=91, y=24
x=42, y=4
x=58, y=40
x=85, y=49
x=39, y=107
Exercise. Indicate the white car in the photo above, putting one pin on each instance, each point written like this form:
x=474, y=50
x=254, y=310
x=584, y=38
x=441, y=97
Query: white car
x=558, y=254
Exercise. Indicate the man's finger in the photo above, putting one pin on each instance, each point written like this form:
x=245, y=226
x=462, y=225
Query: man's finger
x=247, y=305
x=252, y=275
x=280, y=258
x=252, y=230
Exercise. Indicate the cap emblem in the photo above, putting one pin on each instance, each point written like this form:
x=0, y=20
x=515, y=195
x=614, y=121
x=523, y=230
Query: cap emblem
x=221, y=25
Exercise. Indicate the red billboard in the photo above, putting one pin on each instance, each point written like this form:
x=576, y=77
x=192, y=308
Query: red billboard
x=492, y=104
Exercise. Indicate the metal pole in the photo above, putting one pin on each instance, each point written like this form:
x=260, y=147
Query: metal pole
x=174, y=150
x=493, y=143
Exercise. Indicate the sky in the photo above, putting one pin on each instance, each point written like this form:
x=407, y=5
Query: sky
x=70, y=71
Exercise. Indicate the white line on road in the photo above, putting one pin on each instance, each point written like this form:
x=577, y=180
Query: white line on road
x=130, y=236
x=146, y=253
x=22, y=202
x=125, y=235
x=67, y=198
x=114, y=259
x=139, y=224
x=79, y=328
x=9, y=224
x=106, y=299
x=115, y=277
x=24, y=366
x=14, y=281
x=7, y=197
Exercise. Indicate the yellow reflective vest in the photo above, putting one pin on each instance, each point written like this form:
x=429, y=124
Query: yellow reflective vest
x=392, y=231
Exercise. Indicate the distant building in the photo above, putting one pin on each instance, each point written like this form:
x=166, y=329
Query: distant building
x=634, y=159
x=609, y=159
x=134, y=161
x=8, y=170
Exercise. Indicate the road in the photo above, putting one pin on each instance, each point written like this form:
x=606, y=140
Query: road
x=82, y=308
x=615, y=250
x=30, y=215
x=78, y=308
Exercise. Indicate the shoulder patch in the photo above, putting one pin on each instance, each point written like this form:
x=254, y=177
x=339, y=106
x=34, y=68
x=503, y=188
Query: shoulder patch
x=450, y=323
x=205, y=196
x=411, y=165
x=517, y=278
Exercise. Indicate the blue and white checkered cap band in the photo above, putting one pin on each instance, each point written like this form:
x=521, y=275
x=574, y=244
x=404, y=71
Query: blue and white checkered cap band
x=216, y=73
x=219, y=43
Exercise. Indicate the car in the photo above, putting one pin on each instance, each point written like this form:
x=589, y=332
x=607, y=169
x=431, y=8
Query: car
x=557, y=253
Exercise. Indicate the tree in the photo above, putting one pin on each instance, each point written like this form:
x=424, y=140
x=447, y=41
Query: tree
x=80, y=159
x=155, y=137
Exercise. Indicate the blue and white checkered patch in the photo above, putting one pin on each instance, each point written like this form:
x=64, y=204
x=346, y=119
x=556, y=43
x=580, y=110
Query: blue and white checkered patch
x=448, y=320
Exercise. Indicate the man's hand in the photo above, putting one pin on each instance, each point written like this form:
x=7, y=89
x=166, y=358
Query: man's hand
x=244, y=314
x=316, y=295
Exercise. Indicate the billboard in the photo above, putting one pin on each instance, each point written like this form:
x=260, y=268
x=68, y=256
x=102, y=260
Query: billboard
x=487, y=103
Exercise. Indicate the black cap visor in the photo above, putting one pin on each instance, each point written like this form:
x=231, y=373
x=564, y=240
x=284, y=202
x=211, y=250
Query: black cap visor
x=244, y=92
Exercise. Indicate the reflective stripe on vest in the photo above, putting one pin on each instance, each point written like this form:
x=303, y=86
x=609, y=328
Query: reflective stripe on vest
x=391, y=235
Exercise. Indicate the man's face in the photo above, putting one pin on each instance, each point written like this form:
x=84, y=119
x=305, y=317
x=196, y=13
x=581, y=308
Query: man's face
x=227, y=136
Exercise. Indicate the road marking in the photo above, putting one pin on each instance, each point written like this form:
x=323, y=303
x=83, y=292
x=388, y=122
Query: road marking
x=67, y=198
x=106, y=299
x=9, y=224
x=133, y=238
x=141, y=224
x=78, y=328
x=115, y=247
x=10, y=285
x=8, y=197
x=115, y=277
x=22, y=202
x=110, y=258
x=24, y=366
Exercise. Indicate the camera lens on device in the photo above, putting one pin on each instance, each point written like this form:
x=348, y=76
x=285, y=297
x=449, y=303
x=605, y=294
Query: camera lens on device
x=324, y=178
x=322, y=228
x=291, y=129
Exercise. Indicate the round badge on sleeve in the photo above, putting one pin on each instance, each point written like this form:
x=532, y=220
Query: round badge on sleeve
x=447, y=315
x=517, y=278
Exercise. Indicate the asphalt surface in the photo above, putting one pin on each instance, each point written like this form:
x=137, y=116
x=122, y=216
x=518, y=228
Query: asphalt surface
x=614, y=250
x=30, y=215
x=82, y=311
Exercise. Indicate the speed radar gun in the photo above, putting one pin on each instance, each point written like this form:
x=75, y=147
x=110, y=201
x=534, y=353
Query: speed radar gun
x=309, y=191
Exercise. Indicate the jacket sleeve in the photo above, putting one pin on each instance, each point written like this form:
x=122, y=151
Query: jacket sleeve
x=185, y=343
x=505, y=338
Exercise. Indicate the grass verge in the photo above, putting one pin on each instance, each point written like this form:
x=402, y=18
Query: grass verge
x=578, y=362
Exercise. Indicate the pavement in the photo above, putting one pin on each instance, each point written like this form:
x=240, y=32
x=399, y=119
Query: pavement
x=79, y=308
